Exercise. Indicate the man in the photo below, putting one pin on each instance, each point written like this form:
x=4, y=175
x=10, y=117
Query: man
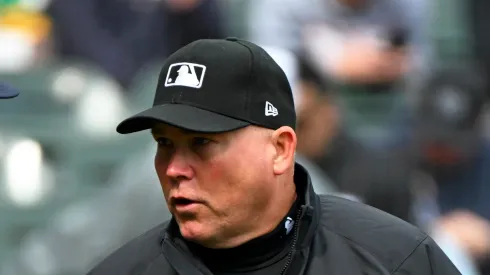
x=240, y=204
x=453, y=156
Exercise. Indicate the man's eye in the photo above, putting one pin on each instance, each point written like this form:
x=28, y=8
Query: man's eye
x=200, y=141
x=164, y=142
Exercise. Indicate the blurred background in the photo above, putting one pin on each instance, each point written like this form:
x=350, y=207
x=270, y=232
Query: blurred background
x=391, y=99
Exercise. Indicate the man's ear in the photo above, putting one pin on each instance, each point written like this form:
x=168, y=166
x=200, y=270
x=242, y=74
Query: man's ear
x=284, y=141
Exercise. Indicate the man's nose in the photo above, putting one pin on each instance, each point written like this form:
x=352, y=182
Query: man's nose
x=179, y=166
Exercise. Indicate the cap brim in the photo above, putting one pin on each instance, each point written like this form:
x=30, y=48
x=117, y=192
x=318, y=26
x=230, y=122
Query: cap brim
x=182, y=116
x=7, y=91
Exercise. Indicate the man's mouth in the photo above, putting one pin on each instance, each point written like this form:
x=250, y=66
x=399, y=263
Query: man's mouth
x=184, y=205
x=182, y=201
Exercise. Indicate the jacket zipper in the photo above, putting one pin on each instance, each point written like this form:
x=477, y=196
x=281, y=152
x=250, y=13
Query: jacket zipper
x=295, y=240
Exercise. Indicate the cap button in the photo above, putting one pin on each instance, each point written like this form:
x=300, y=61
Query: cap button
x=234, y=39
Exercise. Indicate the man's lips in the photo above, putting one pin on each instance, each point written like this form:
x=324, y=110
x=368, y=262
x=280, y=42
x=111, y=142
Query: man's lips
x=184, y=205
x=179, y=201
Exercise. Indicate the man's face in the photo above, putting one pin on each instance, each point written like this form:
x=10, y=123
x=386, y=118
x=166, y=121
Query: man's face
x=215, y=184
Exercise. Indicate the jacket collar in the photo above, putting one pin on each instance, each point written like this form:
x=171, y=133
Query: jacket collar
x=310, y=215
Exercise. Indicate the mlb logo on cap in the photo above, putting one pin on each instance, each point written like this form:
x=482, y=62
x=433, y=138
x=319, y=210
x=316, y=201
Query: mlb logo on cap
x=185, y=74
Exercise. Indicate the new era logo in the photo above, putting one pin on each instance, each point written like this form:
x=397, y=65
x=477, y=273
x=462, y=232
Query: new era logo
x=270, y=110
x=185, y=74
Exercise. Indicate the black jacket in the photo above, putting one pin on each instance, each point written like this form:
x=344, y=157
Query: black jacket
x=333, y=236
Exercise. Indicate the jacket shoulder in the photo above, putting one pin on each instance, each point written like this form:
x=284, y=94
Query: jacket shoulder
x=135, y=256
x=389, y=239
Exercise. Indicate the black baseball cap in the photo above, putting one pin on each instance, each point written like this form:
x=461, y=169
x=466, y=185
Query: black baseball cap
x=448, y=117
x=7, y=91
x=218, y=85
x=452, y=100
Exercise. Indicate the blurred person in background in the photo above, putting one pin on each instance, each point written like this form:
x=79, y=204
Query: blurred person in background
x=356, y=41
x=455, y=155
x=366, y=56
x=122, y=36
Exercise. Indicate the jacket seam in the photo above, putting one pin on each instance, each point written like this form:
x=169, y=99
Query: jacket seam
x=409, y=255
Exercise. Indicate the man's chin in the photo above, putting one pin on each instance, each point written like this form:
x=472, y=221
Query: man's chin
x=193, y=231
